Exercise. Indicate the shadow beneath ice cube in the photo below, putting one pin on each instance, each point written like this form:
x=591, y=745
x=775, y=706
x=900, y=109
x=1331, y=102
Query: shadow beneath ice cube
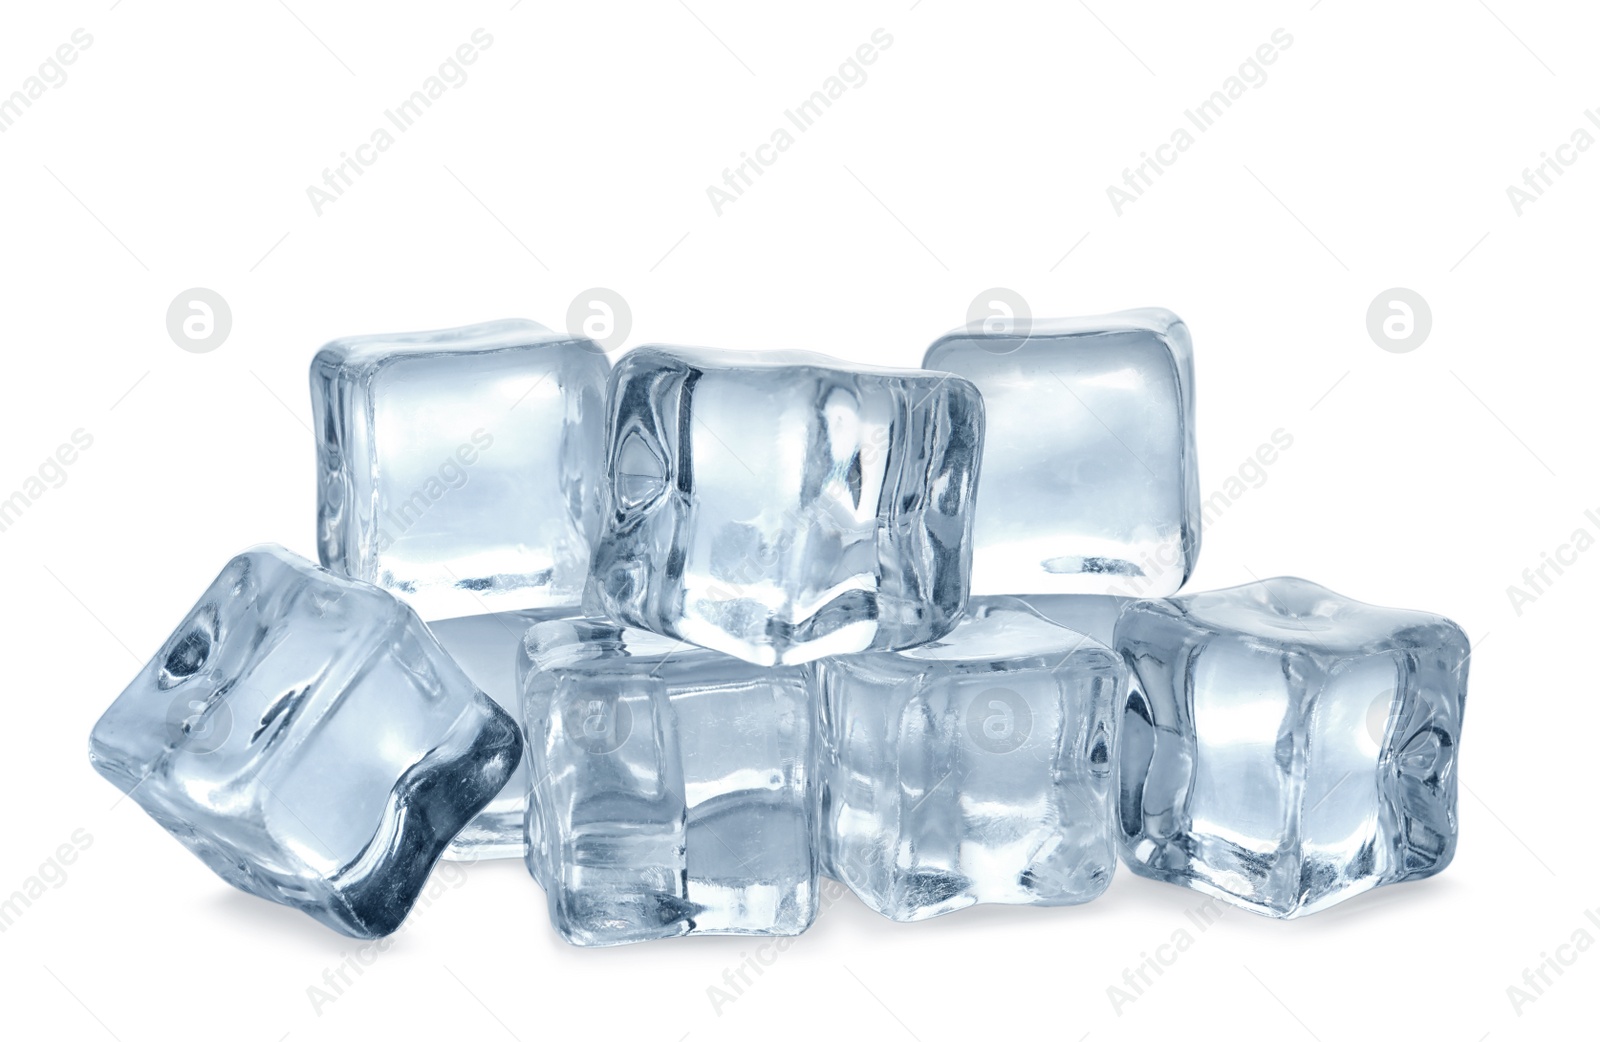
x=274, y=922
x=1424, y=896
x=842, y=915
x=1443, y=894
x=454, y=889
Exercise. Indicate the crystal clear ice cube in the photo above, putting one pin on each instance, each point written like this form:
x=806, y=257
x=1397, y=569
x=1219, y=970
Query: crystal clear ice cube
x=1089, y=476
x=460, y=468
x=488, y=648
x=305, y=736
x=1286, y=748
x=673, y=787
x=783, y=506
x=976, y=769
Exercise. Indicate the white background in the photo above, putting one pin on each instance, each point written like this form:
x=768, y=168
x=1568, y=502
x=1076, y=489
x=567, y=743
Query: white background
x=977, y=153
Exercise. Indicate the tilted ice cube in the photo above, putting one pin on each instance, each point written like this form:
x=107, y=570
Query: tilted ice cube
x=488, y=648
x=460, y=468
x=784, y=506
x=1089, y=477
x=673, y=788
x=973, y=770
x=305, y=736
x=1286, y=748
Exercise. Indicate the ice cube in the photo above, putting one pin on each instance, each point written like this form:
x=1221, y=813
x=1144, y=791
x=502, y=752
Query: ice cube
x=784, y=506
x=460, y=468
x=305, y=737
x=1285, y=748
x=1091, y=614
x=488, y=649
x=1089, y=477
x=976, y=769
x=673, y=787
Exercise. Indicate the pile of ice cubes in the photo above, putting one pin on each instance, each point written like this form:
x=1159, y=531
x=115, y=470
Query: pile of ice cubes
x=770, y=617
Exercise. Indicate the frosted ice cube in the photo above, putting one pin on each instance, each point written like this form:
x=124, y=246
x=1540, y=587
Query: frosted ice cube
x=1089, y=477
x=1286, y=748
x=305, y=737
x=976, y=769
x=784, y=506
x=460, y=468
x=673, y=788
